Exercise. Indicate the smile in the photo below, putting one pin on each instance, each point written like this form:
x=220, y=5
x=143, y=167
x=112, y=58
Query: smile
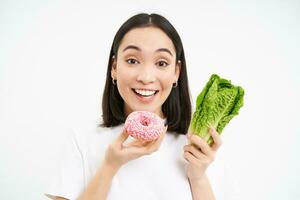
x=144, y=92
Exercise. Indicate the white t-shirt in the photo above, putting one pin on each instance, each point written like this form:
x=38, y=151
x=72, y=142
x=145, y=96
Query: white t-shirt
x=158, y=176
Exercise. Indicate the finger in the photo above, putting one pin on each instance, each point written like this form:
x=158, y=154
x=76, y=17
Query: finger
x=147, y=147
x=141, y=143
x=202, y=145
x=136, y=151
x=141, y=149
x=188, y=156
x=195, y=151
x=217, y=142
x=136, y=143
x=122, y=137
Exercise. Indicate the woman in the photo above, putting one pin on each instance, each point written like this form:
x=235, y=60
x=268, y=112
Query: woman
x=146, y=71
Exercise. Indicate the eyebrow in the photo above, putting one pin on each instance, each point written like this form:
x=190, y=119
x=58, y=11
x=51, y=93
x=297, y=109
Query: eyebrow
x=139, y=49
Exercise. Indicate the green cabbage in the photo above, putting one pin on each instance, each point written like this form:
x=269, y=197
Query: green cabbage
x=216, y=105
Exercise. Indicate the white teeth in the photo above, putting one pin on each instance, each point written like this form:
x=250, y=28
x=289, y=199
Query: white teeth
x=145, y=92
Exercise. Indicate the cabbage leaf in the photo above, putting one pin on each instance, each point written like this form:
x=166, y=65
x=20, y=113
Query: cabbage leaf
x=216, y=105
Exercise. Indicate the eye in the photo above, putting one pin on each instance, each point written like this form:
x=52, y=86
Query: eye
x=163, y=63
x=130, y=60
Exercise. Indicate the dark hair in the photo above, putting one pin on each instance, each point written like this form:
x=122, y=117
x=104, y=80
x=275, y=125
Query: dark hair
x=177, y=107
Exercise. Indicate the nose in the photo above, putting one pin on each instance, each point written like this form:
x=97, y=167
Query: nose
x=146, y=75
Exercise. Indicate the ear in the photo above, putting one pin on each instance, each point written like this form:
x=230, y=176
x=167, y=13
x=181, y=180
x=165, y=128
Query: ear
x=114, y=68
x=177, y=69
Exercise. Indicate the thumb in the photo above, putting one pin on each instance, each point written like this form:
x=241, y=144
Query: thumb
x=122, y=137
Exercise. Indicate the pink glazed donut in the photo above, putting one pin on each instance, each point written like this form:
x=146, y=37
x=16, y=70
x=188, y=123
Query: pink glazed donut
x=144, y=125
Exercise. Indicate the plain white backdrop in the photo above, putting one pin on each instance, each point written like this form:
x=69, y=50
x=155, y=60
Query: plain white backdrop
x=53, y=60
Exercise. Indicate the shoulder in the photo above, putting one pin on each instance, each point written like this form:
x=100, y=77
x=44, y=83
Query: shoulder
x=86, y=132
x=85, y=128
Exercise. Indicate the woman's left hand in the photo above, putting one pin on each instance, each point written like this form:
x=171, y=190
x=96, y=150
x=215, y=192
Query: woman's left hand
x=200, y=155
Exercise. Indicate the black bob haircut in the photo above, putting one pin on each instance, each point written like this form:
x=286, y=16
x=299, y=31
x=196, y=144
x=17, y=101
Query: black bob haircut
x=177, y=107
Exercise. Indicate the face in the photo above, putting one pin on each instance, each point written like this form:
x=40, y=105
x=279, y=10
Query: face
x=145, y=69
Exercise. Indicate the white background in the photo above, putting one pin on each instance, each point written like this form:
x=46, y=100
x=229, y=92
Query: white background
x=54, y=55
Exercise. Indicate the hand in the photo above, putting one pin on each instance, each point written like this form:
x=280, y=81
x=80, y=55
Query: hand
x=118, y=154
x=200, y=155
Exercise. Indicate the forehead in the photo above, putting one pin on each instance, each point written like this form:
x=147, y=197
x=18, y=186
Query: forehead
x=148, y=39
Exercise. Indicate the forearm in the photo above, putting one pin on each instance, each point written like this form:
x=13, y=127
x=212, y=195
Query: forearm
x=99, y=185
x=201, y=189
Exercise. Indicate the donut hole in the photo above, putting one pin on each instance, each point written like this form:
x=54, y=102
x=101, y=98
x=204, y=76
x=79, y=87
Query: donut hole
x=145, y=121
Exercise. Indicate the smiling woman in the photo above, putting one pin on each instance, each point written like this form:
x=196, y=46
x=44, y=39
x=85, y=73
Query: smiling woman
x=146, y=72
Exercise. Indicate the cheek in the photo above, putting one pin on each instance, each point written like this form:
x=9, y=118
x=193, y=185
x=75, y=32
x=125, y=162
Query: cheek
x=167, y=85
x=123, y=81
x=167, y=81
x=124, y=76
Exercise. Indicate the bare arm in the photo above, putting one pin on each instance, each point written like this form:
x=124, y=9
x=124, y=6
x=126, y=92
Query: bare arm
x=201, y=189
x=99, y=185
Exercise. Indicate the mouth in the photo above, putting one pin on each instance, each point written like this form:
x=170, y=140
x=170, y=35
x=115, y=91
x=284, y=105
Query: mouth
x=144, y=92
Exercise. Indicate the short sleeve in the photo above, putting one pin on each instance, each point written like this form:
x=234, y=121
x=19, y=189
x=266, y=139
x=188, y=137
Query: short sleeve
x=68, y=180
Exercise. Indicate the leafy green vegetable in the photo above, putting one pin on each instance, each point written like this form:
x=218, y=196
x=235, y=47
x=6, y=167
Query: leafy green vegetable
x=216, y=105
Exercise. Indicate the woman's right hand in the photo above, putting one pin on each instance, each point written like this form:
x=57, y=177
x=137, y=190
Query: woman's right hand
x=118, y=154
